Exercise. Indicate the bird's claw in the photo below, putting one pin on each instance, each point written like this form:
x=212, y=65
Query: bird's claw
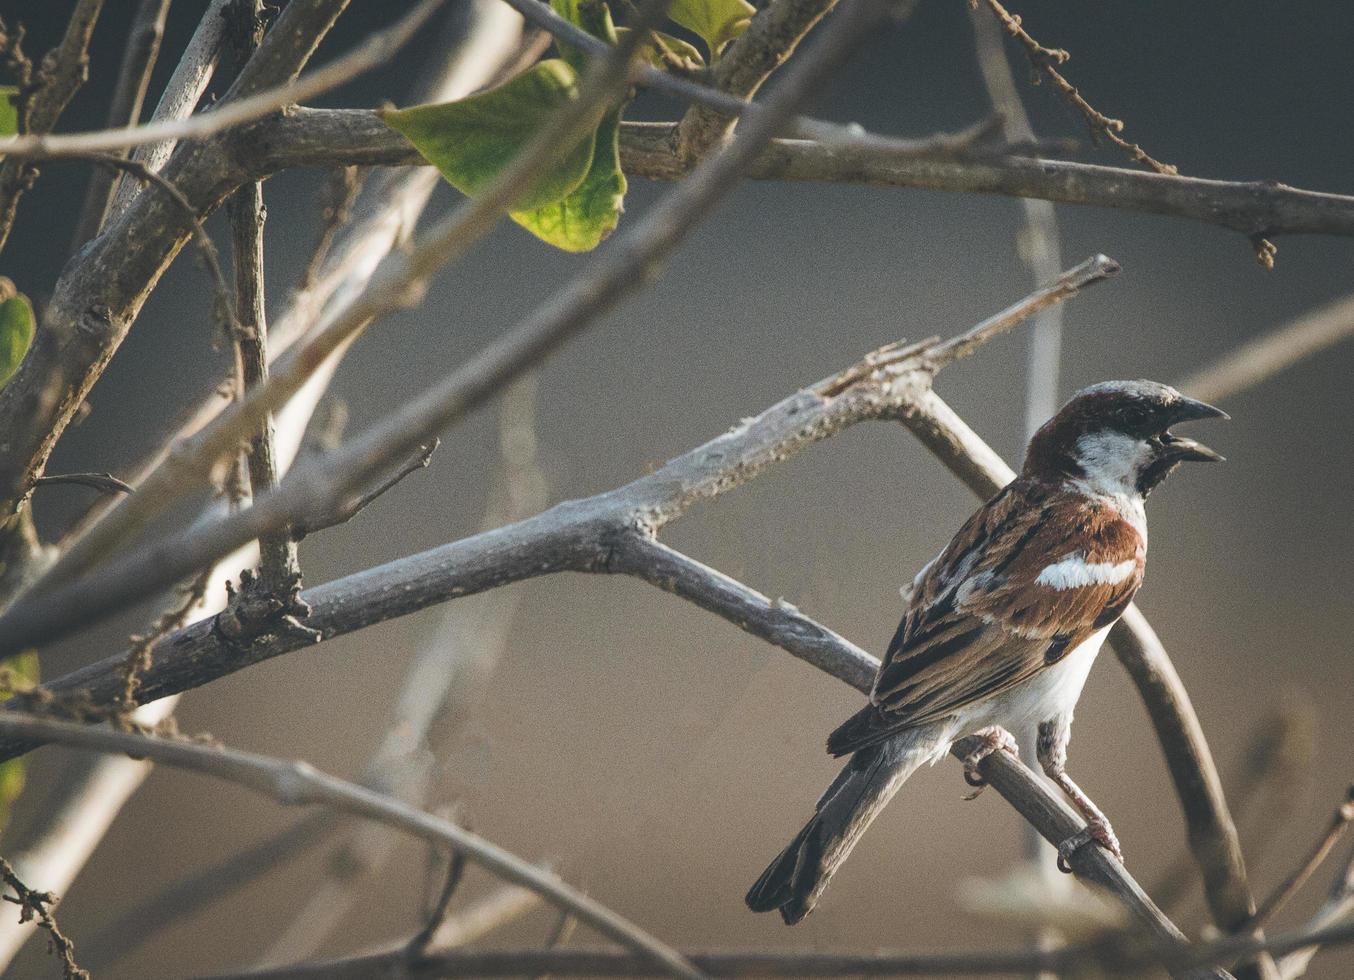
x=1095, y=832
x=994, y=738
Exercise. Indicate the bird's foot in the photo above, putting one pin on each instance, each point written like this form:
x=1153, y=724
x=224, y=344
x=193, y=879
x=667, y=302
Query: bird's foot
x=994, y=738
x=1096, y=831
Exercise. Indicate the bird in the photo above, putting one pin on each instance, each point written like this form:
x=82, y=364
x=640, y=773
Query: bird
x=1001, y=628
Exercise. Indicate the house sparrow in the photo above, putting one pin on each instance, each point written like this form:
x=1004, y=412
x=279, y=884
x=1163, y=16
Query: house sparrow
x=1002, y=627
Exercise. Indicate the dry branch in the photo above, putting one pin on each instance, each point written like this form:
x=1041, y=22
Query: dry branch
x=336, y=137
x=295, y=783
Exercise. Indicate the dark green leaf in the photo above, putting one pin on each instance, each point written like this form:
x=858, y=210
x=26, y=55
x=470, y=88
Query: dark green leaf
x=471, y=141
x=717, y=21
x=16, y=333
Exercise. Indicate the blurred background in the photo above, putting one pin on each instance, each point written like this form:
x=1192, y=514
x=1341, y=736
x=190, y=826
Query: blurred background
x=658, y=756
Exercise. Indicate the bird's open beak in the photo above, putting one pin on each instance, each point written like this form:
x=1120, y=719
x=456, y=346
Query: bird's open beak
x=1186, y=450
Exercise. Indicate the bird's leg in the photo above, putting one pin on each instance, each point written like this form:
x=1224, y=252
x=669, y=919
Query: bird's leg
x=994, y=738
x=1052, y=752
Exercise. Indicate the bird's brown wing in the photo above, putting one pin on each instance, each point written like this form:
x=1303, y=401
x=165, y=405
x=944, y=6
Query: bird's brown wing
x=982, y=619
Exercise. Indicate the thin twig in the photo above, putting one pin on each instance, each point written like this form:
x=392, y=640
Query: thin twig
x=60, y=73
x=124, y=109
x=102, y=482
x=223, y=300
x=295, y=783
x=37, y=906
x=346, y=510
x=1337, y=907
x=1045, y=59
x=378, y=48
x=185, y=87
x=1290, y=886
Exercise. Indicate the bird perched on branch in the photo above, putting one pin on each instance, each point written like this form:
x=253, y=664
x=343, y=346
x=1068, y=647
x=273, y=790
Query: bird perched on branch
x=1002, y=627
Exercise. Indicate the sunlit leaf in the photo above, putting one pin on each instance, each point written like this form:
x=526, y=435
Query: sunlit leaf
x=22, y=669
x=16, y=330
x=580, y=222
x=473, y=140
x=717, y=21
x=9, y=112
x=685, y=51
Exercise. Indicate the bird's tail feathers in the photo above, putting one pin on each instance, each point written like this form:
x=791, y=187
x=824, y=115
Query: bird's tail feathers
x=793, y=882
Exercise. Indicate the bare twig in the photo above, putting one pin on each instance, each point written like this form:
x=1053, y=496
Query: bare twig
x=124, y=109
x=180, y=97
x=60, y=73
x=102, y=482
x=251, y=103
x=1290, y=886
x=1044, y=61
x=279, y=572
x=37, y=907
x=295, y=783
x=351, y=507
x=1337, y=907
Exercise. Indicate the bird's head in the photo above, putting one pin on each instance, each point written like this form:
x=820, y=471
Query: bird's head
x=1115, y=436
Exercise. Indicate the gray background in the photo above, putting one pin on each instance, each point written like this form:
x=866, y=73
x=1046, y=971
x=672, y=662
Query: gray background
x=658, y=755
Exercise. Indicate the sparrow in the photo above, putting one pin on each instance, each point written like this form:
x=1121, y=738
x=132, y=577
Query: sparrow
x=1002, y=627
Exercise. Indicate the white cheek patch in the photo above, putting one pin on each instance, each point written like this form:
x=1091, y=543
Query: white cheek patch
x=1075, y=572
x=1111, y=461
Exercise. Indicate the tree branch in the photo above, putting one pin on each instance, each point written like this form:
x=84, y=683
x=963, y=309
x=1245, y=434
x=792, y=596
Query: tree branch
x=295, y=783
x=336, y=137
x=124, y=109
x=582, y=535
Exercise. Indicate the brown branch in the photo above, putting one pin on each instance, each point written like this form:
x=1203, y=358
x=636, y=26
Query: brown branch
x=1337, y=907
x=38, y=906
x=770, y=39
x=1045, y=59
x=61, y=72
x=336, y=137
x=279, y=570
x=124, y=109
x=295, y=783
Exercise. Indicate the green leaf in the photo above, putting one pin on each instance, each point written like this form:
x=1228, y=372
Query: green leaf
x=471, y=141
x=23, y=671
x=684, y=50
x=16, y=330
x=717, y=21
x=9, y=112
x=594, y=17
x=581, y=221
